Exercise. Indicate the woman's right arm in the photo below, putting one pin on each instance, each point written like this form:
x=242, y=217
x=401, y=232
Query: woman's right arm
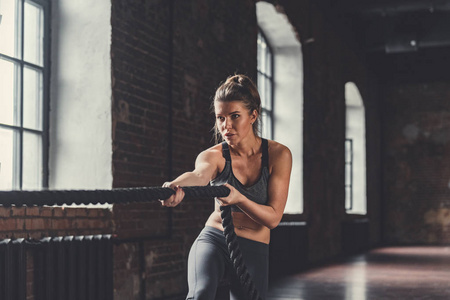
x=206, y=168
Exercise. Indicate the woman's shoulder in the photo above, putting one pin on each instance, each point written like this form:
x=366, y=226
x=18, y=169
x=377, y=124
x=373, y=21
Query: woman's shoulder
x=278, y=150
x=279, y=155
x=212, y=153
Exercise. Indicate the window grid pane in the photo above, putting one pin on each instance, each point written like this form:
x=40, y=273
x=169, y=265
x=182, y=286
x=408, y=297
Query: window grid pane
x=266, y=124
x=9, y=92
x=32, y=162
x=32, y=98
x=268, y=68
x=33, y=33
x=6, y=159
x=261, y=89
x=268, y=93
x=10, y=28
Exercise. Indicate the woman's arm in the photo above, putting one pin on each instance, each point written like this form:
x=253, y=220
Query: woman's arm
x=270, y=214
x=206, y=168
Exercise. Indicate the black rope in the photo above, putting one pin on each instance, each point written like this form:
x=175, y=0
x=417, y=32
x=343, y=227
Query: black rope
x=141, y=194
x=236, y=254
x=114, y=196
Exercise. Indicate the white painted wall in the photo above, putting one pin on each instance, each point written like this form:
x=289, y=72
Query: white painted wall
x=80, y=105
x=356, y=130
x=288, y=94
x=288, y=117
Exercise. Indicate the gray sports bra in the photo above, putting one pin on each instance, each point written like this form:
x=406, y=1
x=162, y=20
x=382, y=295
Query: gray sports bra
x=256, y=192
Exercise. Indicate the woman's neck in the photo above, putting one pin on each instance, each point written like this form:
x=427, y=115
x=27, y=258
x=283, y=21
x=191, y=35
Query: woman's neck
x=247, y=147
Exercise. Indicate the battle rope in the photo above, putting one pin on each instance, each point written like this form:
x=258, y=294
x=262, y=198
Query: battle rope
x=114, y=196
x=236, y=254
x=142, y=194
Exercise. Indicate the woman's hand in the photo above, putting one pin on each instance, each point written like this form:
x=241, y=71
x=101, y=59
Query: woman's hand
x=175, y=199
x=234, y=198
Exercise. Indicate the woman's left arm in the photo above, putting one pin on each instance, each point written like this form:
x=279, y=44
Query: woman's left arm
x=271, y=213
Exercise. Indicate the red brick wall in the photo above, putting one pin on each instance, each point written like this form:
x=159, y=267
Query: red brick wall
x=38, y=222
x=416, y=126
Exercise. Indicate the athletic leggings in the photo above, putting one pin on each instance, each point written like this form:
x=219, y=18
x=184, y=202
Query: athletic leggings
x=209, y=262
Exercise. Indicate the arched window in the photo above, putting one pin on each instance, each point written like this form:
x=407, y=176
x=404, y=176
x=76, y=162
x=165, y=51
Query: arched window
x=355, y=151
x=286, y=108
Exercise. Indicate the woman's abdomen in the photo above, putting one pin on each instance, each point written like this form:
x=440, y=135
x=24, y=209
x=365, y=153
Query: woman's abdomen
x=244, y=226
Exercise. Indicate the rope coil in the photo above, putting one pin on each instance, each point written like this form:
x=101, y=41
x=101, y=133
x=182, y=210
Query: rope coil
x=141, y=194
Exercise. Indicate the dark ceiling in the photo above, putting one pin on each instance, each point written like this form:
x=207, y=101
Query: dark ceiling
x=401, y=39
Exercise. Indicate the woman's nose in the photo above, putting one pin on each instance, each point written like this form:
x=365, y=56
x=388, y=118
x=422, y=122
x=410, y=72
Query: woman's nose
x=227, y=123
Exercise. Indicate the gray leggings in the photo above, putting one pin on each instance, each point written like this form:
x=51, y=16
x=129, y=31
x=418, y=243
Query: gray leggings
x=209, y=263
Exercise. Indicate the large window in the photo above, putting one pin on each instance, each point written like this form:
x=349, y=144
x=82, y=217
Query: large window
x=23, y=94
x=265, y=85
x=355, y=151
x=280, y=82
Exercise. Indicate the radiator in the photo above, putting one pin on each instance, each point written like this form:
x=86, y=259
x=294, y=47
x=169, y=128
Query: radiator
x=13, y=279
x=64, y=268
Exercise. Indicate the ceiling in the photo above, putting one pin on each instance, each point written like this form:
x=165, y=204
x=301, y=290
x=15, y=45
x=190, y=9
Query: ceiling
x=399, y=26
x=406, y=38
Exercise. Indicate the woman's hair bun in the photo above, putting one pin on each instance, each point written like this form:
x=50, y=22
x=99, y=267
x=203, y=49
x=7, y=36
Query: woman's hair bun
x=235, y=79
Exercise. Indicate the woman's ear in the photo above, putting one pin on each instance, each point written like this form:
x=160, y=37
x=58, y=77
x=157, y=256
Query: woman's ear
x=254, y=116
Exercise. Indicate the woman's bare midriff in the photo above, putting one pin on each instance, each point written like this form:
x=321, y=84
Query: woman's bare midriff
x=244, y=226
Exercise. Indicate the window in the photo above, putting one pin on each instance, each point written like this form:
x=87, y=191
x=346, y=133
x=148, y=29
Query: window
x=265, y=85
x=23, y=94
x=280, y=81
x=348, y=174
x=355, y=151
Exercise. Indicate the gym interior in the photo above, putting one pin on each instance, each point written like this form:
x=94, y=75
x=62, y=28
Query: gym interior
x=105, y=95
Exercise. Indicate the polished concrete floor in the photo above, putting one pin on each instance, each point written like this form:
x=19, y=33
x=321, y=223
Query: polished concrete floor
x=382, y=274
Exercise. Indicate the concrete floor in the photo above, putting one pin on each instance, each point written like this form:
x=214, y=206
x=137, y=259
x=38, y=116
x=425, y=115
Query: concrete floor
x=384, y=273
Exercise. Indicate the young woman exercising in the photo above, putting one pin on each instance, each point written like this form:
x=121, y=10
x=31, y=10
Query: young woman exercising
x=257, y=171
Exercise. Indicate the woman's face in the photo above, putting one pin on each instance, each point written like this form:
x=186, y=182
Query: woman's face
x=234, y=121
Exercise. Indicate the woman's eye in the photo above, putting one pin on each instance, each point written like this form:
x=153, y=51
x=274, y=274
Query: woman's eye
x=220, y=118
x=235, y=116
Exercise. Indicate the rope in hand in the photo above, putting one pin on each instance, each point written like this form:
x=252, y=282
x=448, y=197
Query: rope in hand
x=142, y=194
x=114, y=196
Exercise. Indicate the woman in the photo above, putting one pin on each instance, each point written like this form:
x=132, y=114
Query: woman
x=257, y=172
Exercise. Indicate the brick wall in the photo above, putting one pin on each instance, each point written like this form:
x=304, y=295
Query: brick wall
x=38, y=222
x=416, y=144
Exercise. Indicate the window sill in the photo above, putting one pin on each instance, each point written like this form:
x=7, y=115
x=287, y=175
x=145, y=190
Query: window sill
x=293, y=220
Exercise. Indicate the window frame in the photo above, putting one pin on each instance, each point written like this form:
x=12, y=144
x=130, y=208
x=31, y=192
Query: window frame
x=21, y=63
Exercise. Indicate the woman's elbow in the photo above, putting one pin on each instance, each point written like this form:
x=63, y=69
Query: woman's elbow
x=274, y=223
x=272, y=226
